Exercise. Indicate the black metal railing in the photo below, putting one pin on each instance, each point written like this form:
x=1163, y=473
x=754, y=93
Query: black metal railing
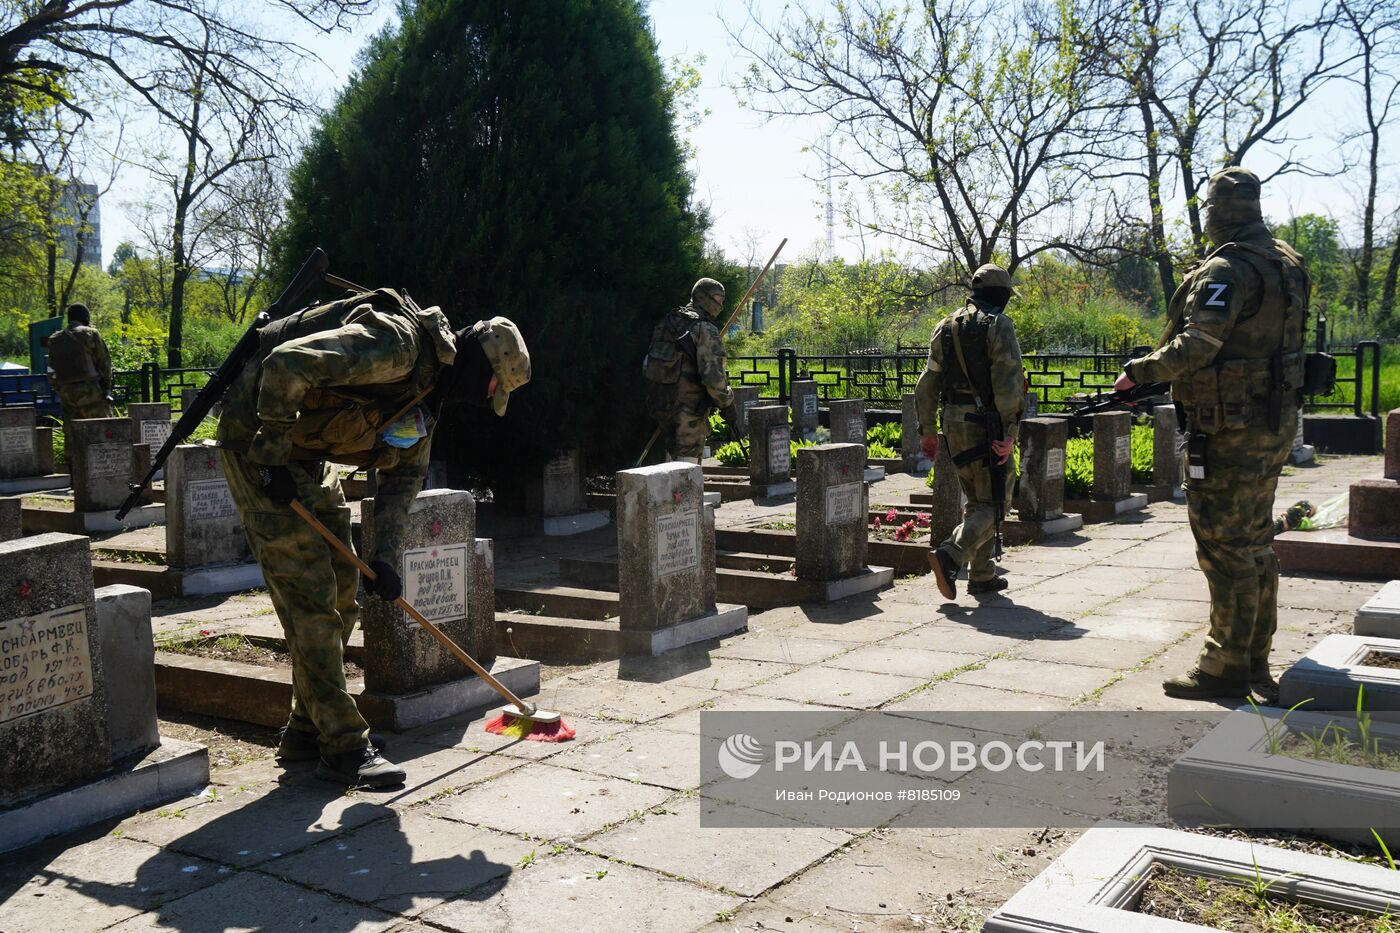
x=150, y=383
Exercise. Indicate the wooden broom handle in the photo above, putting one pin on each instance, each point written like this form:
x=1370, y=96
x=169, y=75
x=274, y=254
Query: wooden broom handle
x=526, y=708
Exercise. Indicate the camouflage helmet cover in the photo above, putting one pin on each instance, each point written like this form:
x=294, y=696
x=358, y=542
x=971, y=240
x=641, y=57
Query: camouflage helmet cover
x=708, y=295
x=991, y=275
x=1232, y=202
x=509, y=357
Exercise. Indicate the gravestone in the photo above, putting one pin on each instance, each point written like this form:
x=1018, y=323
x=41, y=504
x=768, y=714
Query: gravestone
x=745, y=397
x=1167, y=446
x=946, y=509
x=556, y=492
x=151, y=423
x=101, y=458
x=1032, y=406
x=1041, y=493
x=909, y=447
x=481, y=602
x=187, y=396
x=1112, y=455
x=665, y=546
x=437, y=566
x=805, y=413
x=202, y=525
x=847, y=420
x=1304, y=452
x=44, y=443
x=1381, y=613
x=19, y=442
x=53, y=701
x=11, y=518
x=770, y=451
x=1392, y=444
x=833, y=508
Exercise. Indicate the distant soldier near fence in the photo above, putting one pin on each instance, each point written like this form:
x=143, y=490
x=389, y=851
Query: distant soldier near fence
x=81, y=368
x=685, y=372
x=1233, y=352
x=974, y=377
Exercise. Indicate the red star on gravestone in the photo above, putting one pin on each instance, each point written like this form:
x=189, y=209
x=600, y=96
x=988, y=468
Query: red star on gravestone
x=109, y=434
x=677, y=496
x=436, y=530
x=434, y=554
x=845, y=469
x=26, y=589
x=209, y=463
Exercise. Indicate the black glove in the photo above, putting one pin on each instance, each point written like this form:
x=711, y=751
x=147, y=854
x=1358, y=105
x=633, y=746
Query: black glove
x=729, y=415
x=277, y=484
x=386, y=583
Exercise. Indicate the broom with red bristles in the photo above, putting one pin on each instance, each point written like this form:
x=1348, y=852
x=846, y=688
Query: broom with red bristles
x=520, y=720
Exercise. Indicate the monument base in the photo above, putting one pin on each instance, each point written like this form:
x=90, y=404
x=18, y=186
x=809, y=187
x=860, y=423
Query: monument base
x=399, y=712
x=868, y=580
x=1106, y=510
x=559, y=526
x=776, y=490
x=561, y=639
x=1016, y=531
x=1381, y=614
x=1336, y=551
x=175, y=769
x=713, y=499
x=37, y=521
x=170, y=582
x=19, y=485
x=1162, y=493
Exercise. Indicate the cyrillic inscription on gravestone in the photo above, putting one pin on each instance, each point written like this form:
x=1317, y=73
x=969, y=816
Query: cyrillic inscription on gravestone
x=809, y=404
x=677, y=542
x=44, y=662
x=1054, y=463
x=109, y=461
x=779, y=451
x=856, y=429
x=560, y=467
x=843, y=503
x=435, y=580
x=156, y=433
x=16, y=441
x=208, y=499
x=1122, y=449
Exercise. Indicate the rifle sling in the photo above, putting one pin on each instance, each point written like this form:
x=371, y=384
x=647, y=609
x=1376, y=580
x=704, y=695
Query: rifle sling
x=977, y=386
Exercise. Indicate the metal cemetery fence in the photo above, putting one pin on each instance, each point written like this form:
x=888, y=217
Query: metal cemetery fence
x=150, y=383
x=882, y=378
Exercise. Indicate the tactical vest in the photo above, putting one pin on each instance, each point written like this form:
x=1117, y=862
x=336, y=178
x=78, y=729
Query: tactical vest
x=344, y=423
x=69, y=358
x=671, y=367
x=974, y=325
x=1260, y=366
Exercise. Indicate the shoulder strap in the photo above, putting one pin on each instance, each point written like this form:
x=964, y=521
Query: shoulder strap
x=978, y=385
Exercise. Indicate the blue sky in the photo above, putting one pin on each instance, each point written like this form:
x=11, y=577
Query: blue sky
x=756, y=176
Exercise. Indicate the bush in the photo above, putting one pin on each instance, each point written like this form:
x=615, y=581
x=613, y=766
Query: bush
x=1141, y=443
x=886, y=434
x=731, y=454
x=880, y=452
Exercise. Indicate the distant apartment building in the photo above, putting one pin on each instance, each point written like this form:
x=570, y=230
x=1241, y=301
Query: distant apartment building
x=74, y=200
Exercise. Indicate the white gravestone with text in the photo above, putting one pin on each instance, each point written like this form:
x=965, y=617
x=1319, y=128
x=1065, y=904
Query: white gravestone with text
x=202, y=525
x=100, y=451
x=832, y=512
x=665, y=545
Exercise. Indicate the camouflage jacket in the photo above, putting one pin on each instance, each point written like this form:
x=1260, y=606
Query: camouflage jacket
x=382, y=352
x=88, y=343
x=1007, y=378
x=705, y=372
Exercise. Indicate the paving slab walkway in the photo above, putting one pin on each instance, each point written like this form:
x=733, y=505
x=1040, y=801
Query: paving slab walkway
x=603, y=834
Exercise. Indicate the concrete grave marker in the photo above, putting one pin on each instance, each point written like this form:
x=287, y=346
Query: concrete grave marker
x=770, y=451
x=1304, y=452
x=102, y=460
x=1330, y=676
x=152, y=423
x=745, y=397
x=847, y=419
x=1041, y=496
x=19, y=442
x=53, y=702
x=833, y=508
x=666, y=559
x=437, y=569
x=1168, y=446
x=11, y=518
x=1380, y=615
x=805, y=414
x=909, y=448
x=1112, y=455
x=204, y=536
x=556, y=492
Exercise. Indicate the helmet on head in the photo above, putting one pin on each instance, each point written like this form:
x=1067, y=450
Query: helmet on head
x=78, y=314
x=991, y=275
x=708, y=296
x=1232, y=202
x=487, y=348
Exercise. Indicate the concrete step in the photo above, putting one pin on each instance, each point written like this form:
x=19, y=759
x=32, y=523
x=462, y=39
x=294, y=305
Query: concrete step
x=563, y=601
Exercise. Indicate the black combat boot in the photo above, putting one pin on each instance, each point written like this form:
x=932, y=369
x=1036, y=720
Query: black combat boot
x=362, y=767
x=295, y=745
x=1261, y=681
x=945, y=572
x=1198, y=685
x=994, y=585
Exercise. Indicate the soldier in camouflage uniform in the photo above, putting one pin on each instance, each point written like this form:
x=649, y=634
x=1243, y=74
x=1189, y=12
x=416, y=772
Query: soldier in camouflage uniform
x=1233, y=352
x=685, y=372
x=985, y=376
x=81, y=368
x=358, y=381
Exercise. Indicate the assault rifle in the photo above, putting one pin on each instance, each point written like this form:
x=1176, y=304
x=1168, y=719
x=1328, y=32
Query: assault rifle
x=312, y=272
x=1129, y=398
x=990, y=420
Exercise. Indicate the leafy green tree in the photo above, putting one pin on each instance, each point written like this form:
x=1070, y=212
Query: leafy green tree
x=515, y=157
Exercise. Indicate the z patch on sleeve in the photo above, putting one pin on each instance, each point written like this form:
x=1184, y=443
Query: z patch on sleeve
x=1215, y=294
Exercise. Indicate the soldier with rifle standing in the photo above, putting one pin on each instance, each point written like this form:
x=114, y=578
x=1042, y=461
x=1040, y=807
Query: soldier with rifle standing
x=82, y=368
x=974, y=375
x=685, y=372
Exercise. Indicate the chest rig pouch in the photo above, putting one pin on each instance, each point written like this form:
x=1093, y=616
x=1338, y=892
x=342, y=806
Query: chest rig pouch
x=972, y=326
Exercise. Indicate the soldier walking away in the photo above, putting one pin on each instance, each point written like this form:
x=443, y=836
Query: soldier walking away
x=685, y=373
x=81, y=368
x=974, y=375
x=1233, y=352
x=358, y=381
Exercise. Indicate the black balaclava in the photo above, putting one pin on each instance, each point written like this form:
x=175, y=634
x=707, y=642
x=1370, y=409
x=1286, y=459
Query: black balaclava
x=466, y=380
x=994, y=296
x=78, y=314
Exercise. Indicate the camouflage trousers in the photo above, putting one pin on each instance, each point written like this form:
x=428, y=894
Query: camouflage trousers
x=685, y=434
x=86, y=399
x=313, y=590
x=1231, y=513
x=973, y=542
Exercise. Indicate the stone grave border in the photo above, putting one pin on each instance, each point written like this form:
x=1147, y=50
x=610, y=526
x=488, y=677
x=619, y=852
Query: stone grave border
x=1093, y=885
x=1380, y=616
x=1335, y=551
x=1228, y=778
x=1330, y=674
